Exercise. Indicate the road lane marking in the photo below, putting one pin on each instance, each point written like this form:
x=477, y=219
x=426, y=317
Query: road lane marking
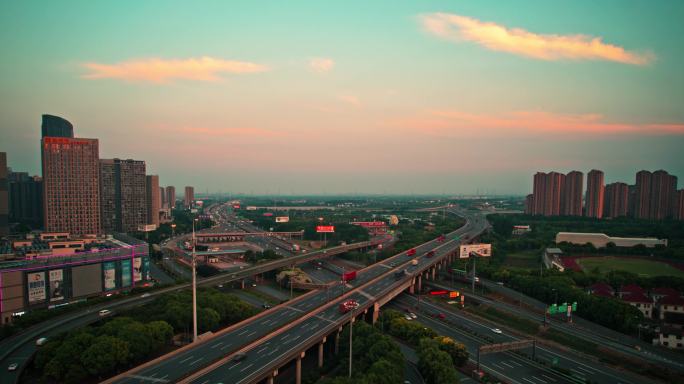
x=528, y=380
x=226, y=346
x=498, y=366
x=243, y=332
x=233, y=366
x=216, y=345
x=542, y=380
x=250, y=334
x=197, y=361
x=186, y=359
x=584, y=369
x=147, y=378
x=508, y=365
x=550, y=378
x=247, y=367
x=515, y=363
x=577, y=372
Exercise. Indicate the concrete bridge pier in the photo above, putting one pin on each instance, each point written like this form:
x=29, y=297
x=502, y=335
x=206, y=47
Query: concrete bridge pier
x=271, y=377
x=419, y=283
x=320, y=352
x=337, y=340
x=434, y=270
x=376, y=313
x=298, y=369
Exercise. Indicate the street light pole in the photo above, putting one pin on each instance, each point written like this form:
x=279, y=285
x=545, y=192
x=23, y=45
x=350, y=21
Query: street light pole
x=351, y=329
x=194, y=286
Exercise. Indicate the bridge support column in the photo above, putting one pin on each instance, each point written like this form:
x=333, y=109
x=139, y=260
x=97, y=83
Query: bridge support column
x=298, y=373
x=242, y=284
x=412, y=287
x=320, y=353
x=433, y=273
x=419, y=283
x=271, y=377
x=376, y=313
x=337, y=341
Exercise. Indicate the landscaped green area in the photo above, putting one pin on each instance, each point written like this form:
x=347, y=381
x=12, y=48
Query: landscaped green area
x=640, y=267
x=524, y=259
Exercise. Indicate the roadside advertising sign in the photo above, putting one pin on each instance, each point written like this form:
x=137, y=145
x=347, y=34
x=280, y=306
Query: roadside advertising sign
x=438, y=292
x=454, y=294
x=484, y=250
x=146, y=268
x=125, y=273
x=36, y=286
x=282, y=219
x=137, y=269
x=325, y=228
x=109, y=269
x=56, y=284
x=553, y=309
x=574, y=306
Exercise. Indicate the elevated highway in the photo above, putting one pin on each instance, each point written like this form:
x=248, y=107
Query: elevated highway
x=309, y=317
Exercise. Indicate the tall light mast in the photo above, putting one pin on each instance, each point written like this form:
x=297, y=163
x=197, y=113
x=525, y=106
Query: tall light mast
x=194, y=286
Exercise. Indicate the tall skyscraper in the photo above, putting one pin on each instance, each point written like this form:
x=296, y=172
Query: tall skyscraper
x=678, y=213
x=571, y=196
x=124, y=195
x=595, y=194
x=26, y=199
x=55, y=126
x=171, y=196
x=654, y=195
x=616, y=200
x=547, y=193
x=153, y=199
x=162, y=198
x=71, y=181
x=189, y=196
x=4, y=196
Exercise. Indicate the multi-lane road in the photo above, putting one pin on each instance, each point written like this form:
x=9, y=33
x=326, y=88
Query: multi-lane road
x=272, y=336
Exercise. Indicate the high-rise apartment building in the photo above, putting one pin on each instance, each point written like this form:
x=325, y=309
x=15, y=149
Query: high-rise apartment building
x=153, y=200
x=616, y=200
x=529, y=204
x=26, y=199
x=654, y=195
x=547, y=193
x=571, y=195
x=124, y=195
x=171, y=196
x=189, y=196
x=678, y=213
x=663, y=190
x=71, y=179
x=4, y=196
x=595, y=194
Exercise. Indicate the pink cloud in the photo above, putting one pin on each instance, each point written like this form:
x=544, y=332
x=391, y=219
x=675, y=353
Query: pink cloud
x=230, y=132
x=447, y=122
x=521, y=42
x=350, y=99
x=157, y=70
x=321, y=64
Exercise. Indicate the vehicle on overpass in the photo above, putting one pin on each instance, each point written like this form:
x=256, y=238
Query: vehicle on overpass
x=348, y=276
x=348, y=305
x=399, y=274
x=414, y=262
x=411, y=252
x=430, y=254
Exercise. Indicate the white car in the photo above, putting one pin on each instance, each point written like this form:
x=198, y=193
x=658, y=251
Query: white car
x=12, y=367
x=413, y=315
x=408, y=317
x=496, y=330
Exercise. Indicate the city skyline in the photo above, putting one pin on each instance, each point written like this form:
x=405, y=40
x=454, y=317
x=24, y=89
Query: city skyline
x=403, y=100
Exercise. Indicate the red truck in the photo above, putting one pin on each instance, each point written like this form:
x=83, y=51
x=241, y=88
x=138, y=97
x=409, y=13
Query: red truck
x=348, y=305
x=411, y=252
x=349, y=276
x=441, y=238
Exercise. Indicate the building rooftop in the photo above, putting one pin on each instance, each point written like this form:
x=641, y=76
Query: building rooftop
x=636, y=298
x=663, y=291
x=554, y=251
x=632, y=288
x=601, y=286
x=671, y=300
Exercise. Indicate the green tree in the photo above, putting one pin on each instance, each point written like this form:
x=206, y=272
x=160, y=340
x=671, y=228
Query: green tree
x=434, y=364
x=104, y=355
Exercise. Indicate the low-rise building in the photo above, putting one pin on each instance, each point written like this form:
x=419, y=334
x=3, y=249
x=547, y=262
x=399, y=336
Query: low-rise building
x=671, y=309
x=521, y=229
x=671, y=338
x=601, y=240
x=52, y=270
x=641, y=302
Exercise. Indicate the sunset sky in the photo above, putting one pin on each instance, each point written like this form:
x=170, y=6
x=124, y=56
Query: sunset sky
x=353, y=96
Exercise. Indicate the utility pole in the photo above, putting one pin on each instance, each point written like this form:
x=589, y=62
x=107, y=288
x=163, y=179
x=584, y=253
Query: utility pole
x=290, y=279
x=472, y=254
x=351, y=328
x=194, y=286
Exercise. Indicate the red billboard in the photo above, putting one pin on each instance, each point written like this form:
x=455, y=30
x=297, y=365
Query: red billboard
x=349, y=276
x=439, y=293
x=236, y=206
x=268, y=214
x=325, y=228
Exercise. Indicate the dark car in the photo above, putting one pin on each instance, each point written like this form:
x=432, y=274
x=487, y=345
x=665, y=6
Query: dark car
x=239, y=357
